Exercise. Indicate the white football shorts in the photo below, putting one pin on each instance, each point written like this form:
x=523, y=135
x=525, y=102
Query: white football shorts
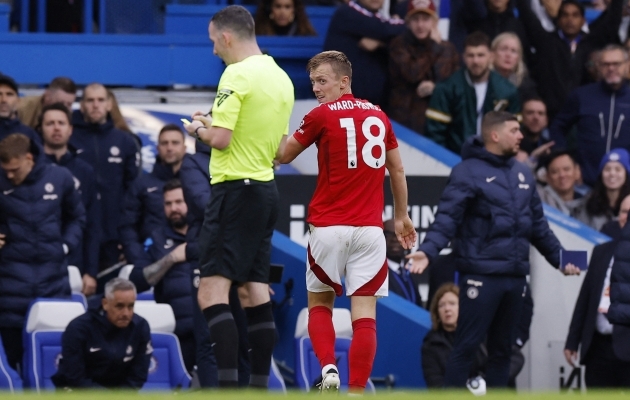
x=356, y=252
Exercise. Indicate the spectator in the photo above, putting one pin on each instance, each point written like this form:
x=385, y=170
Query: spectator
x=598, y=112
x=9, y=123
x=400, y=281
x=195, y=177
x=282, y=18
x=562, y=176
x=361, y=32
x=416, y=64
x=563, y=54
x=534, y=125
x=458, y=29
x=438, y=343
x=56, y=129
x=60, y=90
x=106, y=348
x=612, y=186
x=117, y=117
x=489, y=205
x=143, y=209
x=458, y=104
x=41, y=220
x=590, y=331
x=507, y=60
x=114, y=156
x=498, y=17
x=168, y=266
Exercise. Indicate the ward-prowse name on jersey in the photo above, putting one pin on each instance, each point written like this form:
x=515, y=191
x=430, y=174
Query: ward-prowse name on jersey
x=350, y=105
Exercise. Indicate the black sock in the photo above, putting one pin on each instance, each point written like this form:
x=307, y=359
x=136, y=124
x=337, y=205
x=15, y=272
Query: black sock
x=224, y=338
x=262, y=339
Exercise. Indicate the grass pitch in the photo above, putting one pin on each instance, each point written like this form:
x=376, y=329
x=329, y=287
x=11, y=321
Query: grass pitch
x=297, y=395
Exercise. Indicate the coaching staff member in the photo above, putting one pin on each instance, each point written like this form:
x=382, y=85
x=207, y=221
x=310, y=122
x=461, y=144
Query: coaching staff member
x=250, y=116
x=491, y=208
x=109, y=347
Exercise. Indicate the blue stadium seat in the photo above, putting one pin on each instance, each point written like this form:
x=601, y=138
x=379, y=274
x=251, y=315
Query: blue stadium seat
x=307, y=368
x=45, y=323
x=166, y=370
x=10, y=380
x=276, y=381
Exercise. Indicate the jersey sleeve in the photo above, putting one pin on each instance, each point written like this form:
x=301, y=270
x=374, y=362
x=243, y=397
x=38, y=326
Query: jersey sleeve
x=390, y=137
x=233, y=87
x=311, y=128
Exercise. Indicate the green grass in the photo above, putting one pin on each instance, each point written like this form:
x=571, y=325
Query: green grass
x=296, y=395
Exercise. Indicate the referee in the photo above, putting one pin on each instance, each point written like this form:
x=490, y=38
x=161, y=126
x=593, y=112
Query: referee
x=250, y=118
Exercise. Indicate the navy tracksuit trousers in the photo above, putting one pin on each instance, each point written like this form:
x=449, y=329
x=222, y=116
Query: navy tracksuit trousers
x=489, y=307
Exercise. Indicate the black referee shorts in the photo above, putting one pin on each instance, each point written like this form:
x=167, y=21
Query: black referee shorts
x=235, y=239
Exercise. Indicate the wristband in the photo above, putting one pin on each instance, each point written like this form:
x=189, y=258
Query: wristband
x=197, y=133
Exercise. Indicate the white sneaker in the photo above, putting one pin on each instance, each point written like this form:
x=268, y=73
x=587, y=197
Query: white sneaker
x=330, y=379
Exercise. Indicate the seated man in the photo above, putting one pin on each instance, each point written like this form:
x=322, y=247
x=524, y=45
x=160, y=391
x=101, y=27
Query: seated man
x=168, y=265
x=562, y=176
x=109, y=347
x=400, y=280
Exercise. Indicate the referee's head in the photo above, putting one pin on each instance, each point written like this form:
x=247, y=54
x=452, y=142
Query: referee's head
x=230, y=30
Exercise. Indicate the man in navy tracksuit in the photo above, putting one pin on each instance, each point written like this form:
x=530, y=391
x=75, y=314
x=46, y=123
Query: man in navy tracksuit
x=56, y=129
x=491, y=208
x=115, y=158
x=41, y=221
x=9, y=122
x=143, y=210
x=168, y=266
x=598, y=111
x=109, y=347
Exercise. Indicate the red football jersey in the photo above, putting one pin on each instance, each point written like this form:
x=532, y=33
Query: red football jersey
x=352, y=137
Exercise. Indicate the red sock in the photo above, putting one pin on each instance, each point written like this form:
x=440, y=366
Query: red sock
x=362, y=353
x=322, y=333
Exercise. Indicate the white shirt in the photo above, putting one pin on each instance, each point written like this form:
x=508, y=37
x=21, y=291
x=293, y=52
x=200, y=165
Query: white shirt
x=480, y=90
x=603, y=325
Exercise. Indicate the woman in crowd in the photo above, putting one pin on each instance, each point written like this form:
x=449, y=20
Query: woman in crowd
x=282, y=18
x=438, y=343
x=611, y=187
x=507, y=52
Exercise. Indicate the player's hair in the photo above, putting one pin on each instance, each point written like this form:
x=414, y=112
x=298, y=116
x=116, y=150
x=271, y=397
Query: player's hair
x=448, y=287
x=337, y=60
x=170, y=127
x=63, y=83
x=118, y=284
x=172, y=184
x=235, y=19
x=54, y=107
x=477, y=39
x=14, y=146
x=575, y=3
x=493, y=119
x=615, y=47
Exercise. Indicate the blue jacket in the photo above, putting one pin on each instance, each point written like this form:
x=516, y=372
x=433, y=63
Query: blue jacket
x=619, y=310
x=491, y=208
x=85, y=259
x=14, y=125
x=143, y=210
x=348, y=25
x=96, y=354
x=38, y=217
x=599, y=114
x=195, y=177
x=115, y=158
x=175, y=288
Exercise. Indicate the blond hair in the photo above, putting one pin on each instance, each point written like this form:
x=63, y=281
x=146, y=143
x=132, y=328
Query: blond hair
x=518, y=75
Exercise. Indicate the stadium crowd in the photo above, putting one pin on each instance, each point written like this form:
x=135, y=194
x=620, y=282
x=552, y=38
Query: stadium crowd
x=74, y=193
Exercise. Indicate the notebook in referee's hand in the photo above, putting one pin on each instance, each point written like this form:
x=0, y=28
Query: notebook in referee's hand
x=575, y=257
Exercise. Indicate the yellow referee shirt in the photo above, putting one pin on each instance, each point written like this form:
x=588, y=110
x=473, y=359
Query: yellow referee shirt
x=254, y=100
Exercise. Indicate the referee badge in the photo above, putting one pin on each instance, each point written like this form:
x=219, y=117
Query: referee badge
x=222, y=95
